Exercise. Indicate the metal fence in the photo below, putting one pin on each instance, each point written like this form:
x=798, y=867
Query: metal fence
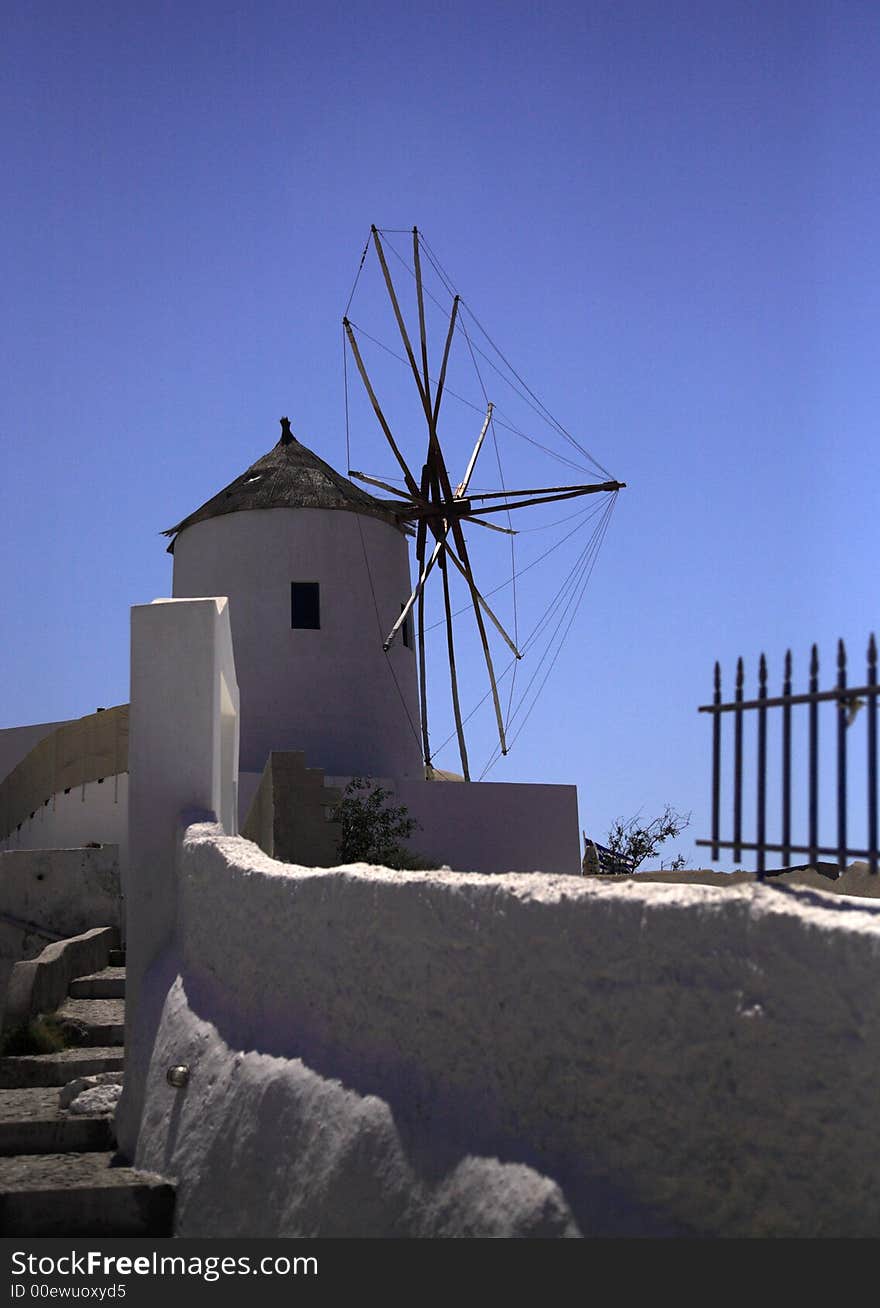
x=849, y=700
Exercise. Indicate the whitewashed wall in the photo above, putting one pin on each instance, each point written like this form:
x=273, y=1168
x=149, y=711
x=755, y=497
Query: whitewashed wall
x=66, y=891
x=494, y=826
x=332, y=693
x=658, y=1059
x=96, y=811
x=183, y=753
x=378, y=1053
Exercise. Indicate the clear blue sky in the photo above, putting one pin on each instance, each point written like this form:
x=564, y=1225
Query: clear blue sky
x=665, y=213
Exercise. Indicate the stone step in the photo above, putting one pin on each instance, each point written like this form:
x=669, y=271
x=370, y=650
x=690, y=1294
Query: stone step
x=31, y=1122
x=82, y=1194
x=107, y=984
x=23, y=1070
x=116, y=958
x=103, y=1019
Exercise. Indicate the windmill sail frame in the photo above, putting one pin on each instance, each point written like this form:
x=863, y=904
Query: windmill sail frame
x=432, y=506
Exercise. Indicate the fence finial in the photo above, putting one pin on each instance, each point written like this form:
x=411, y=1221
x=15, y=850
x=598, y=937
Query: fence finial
x=847, y=700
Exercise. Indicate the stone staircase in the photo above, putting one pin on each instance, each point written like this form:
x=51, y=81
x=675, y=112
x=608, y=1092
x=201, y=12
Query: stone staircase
x=59, y=1172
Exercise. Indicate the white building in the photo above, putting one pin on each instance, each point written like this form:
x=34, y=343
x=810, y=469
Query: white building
x=316, y=572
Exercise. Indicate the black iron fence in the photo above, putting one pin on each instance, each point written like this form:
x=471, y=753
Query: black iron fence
x=849, y=700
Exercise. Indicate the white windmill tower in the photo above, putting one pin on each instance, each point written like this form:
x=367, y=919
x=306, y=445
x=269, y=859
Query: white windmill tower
x=316, y=571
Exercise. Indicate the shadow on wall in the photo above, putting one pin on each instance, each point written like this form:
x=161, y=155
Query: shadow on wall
x=312, y=1156
x=633, y=1044
x=653, y=1056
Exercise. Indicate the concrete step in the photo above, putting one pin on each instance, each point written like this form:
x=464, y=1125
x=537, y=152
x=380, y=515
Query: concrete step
x=107, y=984
x=116, y=958
x=57, y=1069
x=103, y=1019
x=31, y=1122
x=82, y=1194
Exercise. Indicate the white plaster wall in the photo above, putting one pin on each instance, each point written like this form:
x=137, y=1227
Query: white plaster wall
x=67, y=891
x=495, y=826
x=267, y=1147
x=183, y=753
x=675, y=1059
x=248, y=785
x=96, y=811
x=487, y=826
x=333, y=693
x=17, y=742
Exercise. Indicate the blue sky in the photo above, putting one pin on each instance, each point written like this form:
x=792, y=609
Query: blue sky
x=664, y=213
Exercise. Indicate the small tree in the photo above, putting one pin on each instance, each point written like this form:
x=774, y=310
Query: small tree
x=372, y=829
x=634, y=841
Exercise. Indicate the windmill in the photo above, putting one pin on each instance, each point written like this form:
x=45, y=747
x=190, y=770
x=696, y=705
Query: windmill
x=435, y=509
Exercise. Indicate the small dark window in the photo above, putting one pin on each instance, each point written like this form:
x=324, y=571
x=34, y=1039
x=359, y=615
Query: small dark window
x=305, y=605
x=407, y=629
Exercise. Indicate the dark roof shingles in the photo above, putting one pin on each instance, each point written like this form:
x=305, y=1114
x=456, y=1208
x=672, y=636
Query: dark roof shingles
x=290, y=476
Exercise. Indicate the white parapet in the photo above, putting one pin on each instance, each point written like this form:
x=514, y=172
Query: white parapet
x=390, y=1053
x=183, y=757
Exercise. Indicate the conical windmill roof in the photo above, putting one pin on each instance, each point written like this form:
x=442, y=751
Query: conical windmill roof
x=290, y=476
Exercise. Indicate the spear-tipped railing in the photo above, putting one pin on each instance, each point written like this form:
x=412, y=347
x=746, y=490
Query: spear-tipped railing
x=848, y=700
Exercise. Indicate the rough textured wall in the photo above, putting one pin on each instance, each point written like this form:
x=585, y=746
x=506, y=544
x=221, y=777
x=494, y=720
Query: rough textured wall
x=66, y=891
x=266, y=1147
x=676, y=1059
x=290, y=815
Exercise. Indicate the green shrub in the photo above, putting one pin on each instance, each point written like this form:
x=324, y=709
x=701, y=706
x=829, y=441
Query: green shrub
x=373, y=830
x=40, y=1035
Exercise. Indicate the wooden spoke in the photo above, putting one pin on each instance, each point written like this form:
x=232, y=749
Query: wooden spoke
x=458, y=563
x=493, y=526
x=432, y=419
x=392, y=295
x=548, y=499
x=417, y=267
x=419, y=587
x=548, y=490
x=421, y=538
x=481, y=627
x=383, y=485
x=440, y=508
x=440, y=484
x=461, y=488
x=450, y=645
x=409, y=478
